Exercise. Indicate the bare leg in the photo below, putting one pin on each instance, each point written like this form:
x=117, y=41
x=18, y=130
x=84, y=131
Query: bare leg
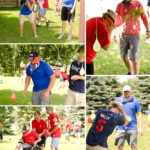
x=134, y=148
x=136, y=66
x=63, y=27
x=70, y=30
x=34, y=29
x=128, y=65
x=21, y=30
x=120, y=148
x=41, y=147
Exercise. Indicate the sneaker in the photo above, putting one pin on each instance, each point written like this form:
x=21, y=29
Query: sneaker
x=47, y=23
x=61, y=36
x=69, y=38
x=128, y=73
x=35, y=36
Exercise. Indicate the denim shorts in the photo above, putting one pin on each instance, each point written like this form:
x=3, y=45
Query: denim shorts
x=55, y=142
x=42, y=11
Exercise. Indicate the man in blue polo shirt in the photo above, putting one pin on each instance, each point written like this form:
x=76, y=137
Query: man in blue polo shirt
x=43, y=79
x=105, y=122
x=131, y=107
x=67, y=13
x=76, y=93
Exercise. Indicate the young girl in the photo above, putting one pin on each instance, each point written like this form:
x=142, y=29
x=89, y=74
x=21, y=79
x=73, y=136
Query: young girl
x=57, y=7
x=26, y=12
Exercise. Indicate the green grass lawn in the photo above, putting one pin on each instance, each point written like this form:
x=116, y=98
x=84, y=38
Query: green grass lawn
x=143, y=142
x=10, y=84
x=10, y=142
x=9, y=26
x=110, y=63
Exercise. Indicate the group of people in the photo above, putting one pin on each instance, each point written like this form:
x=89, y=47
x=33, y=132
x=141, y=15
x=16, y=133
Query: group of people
x=130, y=12
x=43, y=78
x=40, y=130
x=39, y=7
x=120, y=114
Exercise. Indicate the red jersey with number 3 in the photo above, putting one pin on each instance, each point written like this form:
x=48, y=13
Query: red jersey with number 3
x=103, y=126
x=53, y=120
x=102, y=33
x=30, y=136
x=40, y=126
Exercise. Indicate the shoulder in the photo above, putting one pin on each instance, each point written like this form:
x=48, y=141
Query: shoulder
x=33, y=121
x=118, y=99
x=74, y=62
x=43, y=121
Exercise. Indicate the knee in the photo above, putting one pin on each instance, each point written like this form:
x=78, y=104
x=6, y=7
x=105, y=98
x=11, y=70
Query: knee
x=120, y=148
x=136, y=62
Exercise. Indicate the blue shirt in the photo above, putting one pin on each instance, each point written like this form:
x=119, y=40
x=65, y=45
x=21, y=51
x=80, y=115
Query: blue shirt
x=25, y=10
x=131, y=108
x=68, y=3
x=76, y=85
x=41, y=76
x=103, y=126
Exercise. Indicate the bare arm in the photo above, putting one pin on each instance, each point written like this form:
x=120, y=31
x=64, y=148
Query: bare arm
x=106, y=47
x=54, y=129
x=37, y=141
x=77, y=77
x=30, y=6
x=74, y=6
x=140, y=117
x=44, y=131
x=27, y=82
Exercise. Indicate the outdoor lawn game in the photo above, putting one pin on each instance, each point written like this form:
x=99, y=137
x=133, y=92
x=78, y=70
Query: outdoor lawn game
x=108, y=96
x=14, y=62
x=123, y=47
x=12, y=125
x=43, y=26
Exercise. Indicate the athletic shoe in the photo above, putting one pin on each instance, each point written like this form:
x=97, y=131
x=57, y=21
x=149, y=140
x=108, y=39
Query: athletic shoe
x=128, y=73
x=47, y=23
x=61, y=36
x=69, y=38
x=35, y=36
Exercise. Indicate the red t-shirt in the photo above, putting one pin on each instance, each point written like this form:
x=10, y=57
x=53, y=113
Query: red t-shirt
x=45, y=5
x=53, y=120
x=103, y=36
x=30, y=137
x=64, y=75
x=68, y=126
x=40, y=126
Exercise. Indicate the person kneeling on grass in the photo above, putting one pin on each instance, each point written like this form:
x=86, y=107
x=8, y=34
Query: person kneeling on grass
x=28, y=140
x=26, y=11
x=105, y=122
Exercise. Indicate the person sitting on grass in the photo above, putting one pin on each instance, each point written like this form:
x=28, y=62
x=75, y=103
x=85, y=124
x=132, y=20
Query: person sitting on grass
x=26, y=12
x=28, y=140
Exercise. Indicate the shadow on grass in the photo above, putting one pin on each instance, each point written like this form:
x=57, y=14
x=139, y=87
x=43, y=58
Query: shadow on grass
x=5, y=95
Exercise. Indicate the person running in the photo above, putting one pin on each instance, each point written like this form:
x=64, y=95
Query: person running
x=100, y=28
x=149, y=116
x=78, y=129
x=40, y=126
x=67, y=13
x=1, y=132
x=43, y=5
x=68, y=129
x=76, y=92
x=54, y=129
x=131, y=11
x=43, y=79
x=132, y=108
x=104, y=124
x=26, y=12
x=28, y=140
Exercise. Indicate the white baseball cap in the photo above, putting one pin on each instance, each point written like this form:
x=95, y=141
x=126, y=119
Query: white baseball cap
x=126, y=88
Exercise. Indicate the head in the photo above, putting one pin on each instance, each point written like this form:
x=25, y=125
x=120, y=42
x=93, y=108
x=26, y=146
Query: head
x=34, y=57
x=24, y=128
x=127, y=91
x=49, y=110
x=127, y=1
x=37, y=115
x=93, y=112
x=109, y=19
x=77, y=118
x=114, y=108
x=81, y=52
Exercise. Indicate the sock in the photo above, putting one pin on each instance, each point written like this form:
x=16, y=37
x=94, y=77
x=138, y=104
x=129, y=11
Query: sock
x=39, y=23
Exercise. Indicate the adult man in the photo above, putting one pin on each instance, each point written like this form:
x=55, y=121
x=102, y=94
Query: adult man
x=131, y=107
x=53, y=128
x=29, y=139
x=43, y=79
x=100, y=27
x=1, y=132
x=104, y=124
x=40, y=126
x=76, y=93
x=130, y=12
x=67, y=13
x=43, y=5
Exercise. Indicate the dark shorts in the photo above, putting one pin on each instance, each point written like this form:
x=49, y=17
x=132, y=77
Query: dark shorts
x=90, y=68
x=65, y=14
x=43, y=142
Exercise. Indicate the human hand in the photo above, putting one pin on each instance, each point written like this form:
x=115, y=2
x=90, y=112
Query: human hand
x=49, y=134
x=24, y=92
x=75, y=77
x=46, y=95
x=72, y=11
x=140, y=130
x=147, y=34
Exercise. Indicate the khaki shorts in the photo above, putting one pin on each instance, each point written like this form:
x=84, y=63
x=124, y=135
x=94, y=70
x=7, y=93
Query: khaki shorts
x=129, y=135
x=98, y=147
x=30, y=18
x=75, y=98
